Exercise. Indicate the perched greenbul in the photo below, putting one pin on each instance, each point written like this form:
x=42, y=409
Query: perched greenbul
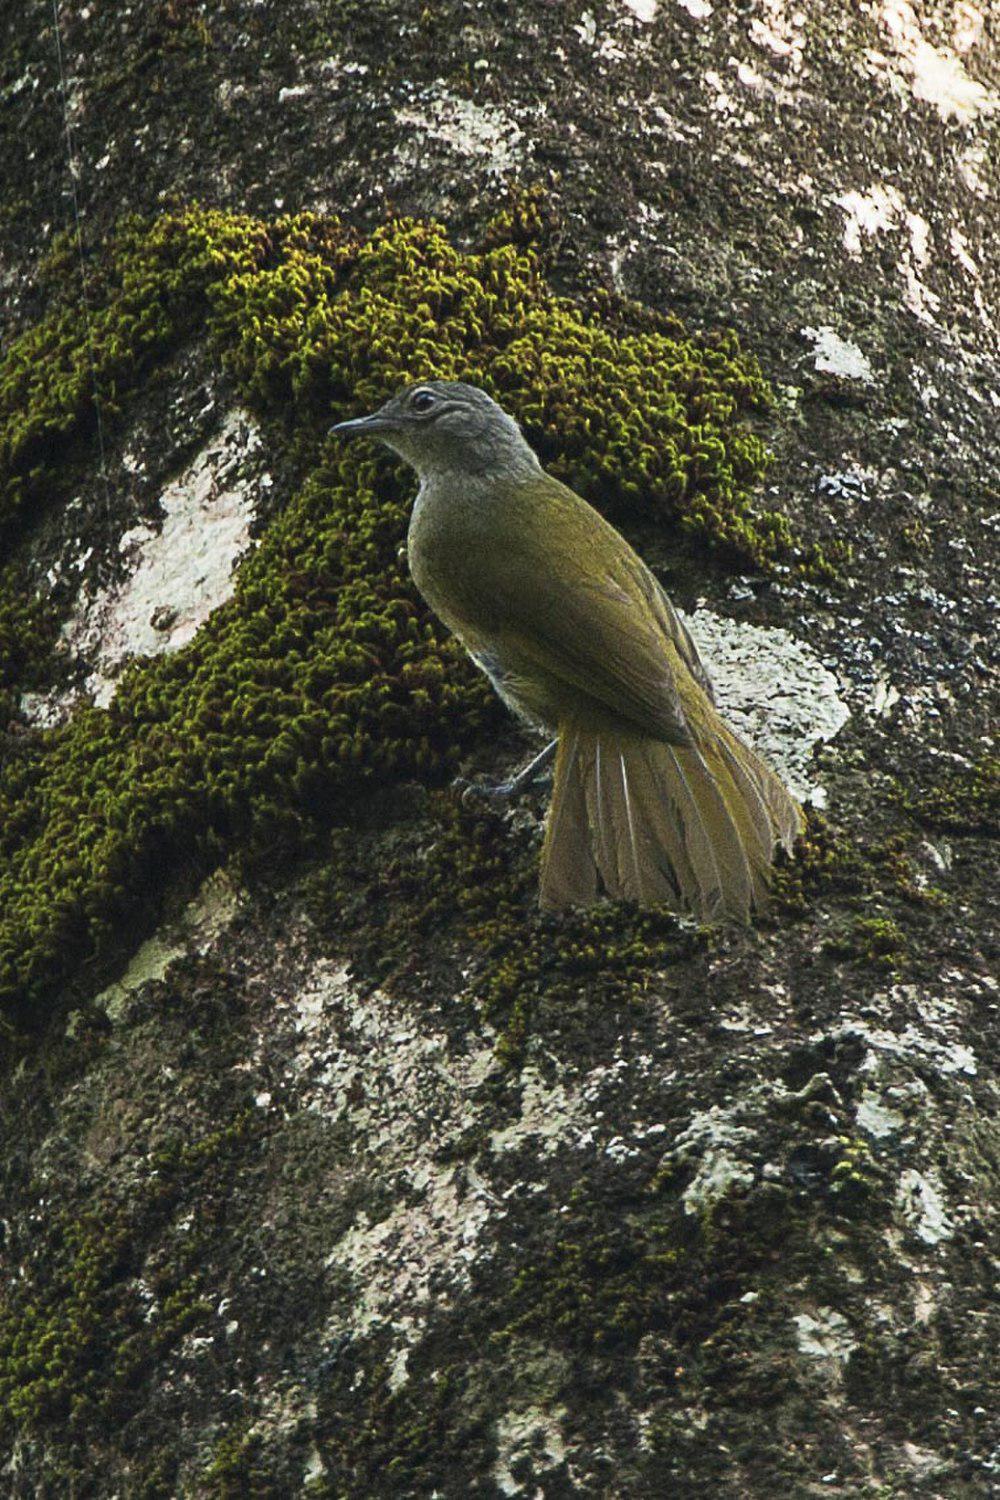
x=654, y=798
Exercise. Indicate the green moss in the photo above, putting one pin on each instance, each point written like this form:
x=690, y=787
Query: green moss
x=606, y=1279
x=965, y=800
x=829, y=866
x=236, y=1471
x=27, y=630
x=856, y=1181
x=611, y=952
x=825, y=861
x=380, y=1442
x=894, y=856
x=472, y=885
x=523, y=218
x=182, y=27
x=871, y=940
x=617, y=1294
x=77, y=1340
x=324, y=676
x=147, y=293
x=825, y=564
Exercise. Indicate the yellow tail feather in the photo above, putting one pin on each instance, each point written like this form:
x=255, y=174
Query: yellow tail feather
x=694, y=827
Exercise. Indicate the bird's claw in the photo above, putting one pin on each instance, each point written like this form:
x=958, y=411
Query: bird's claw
x=501, y=791
x=483, y=791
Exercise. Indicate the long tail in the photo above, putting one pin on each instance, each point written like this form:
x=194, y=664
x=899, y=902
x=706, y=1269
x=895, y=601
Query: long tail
x=694, y=826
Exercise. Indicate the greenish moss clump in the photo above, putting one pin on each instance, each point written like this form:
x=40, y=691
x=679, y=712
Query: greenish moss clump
x=235, y=1472
x=324, y=675
x=27, y=628
x=857, y=1181
x=148, y=292
x=380, y=1442
x=76, y=1338
x=878, y=941
x=964, y=801
x=824, y=861
x=471, y=882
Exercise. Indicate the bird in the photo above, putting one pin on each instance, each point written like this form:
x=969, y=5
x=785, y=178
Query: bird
x=655, y=799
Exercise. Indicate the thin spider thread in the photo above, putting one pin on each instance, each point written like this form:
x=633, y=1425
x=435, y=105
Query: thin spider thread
x=84, y=296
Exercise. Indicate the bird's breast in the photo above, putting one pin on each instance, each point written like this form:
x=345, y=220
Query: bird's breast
x=446, y=542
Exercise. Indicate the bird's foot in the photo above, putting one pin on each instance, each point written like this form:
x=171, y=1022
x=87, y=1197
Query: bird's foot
x=485, y=791
x=503, y=791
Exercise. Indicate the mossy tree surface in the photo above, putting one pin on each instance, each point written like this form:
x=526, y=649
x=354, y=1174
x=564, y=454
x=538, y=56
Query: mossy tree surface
x=592, y=1205
x=324, y=674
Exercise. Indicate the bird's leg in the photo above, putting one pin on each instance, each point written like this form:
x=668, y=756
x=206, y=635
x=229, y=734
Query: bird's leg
x=503, y=790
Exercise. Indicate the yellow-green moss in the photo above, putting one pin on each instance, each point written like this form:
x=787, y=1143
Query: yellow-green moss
x=473, y=885
x=965, y=800
x=603, y=1281
x=824, y=861
x=234, y=1472
x=857, y=1180
x=380, y=1442
x=76, y=1338
x=873, y=940
x=146, y=293
x=324, y=675
x=27, y=628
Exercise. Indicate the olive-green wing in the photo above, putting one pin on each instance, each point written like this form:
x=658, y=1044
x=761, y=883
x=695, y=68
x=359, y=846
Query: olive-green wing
x=570, y=598
x=670, y=621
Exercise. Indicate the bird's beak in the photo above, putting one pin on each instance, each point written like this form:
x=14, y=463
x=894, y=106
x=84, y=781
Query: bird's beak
x=371, y=424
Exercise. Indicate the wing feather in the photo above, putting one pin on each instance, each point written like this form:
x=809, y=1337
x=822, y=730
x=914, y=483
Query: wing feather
x=571, y=601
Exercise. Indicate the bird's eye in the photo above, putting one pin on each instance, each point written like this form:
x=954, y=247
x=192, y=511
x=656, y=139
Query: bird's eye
x=422, y=400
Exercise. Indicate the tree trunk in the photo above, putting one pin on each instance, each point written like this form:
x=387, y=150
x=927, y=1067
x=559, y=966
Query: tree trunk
x=330, y=1166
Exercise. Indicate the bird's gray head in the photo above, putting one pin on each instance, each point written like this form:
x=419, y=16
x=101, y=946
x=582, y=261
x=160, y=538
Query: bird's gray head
x=446, y=426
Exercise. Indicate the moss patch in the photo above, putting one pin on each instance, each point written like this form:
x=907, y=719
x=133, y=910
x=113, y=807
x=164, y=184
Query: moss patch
x=617, y=1295
x=27, y=629
x=462, y=894
x=147, y=292
x=963, y=801
x=236, y=1471
x=78, y=1337
x=324, y=675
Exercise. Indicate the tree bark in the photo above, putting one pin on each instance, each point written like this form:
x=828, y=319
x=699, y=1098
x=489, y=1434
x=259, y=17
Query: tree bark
x=330, y=1167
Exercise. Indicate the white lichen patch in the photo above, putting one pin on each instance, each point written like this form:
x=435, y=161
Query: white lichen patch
x=698, y=10
x=876, y=1119
x=529, y=1433
x=549, y=1113
x=719, y=1146
x=922, y=1203
x=195, y=931
x=938, y=75
x=775, y=691
x=407, y=1098
x=972, y=166
x=358, y=1058
x=362, y=1062
x=824, y=1335
x=877, y=211
x=780, y=31
x=643, y=10
x=603, y=44
x=868, y=214
x=968, y=26
x=935, y=1041
x=175, y=576
x=419, y=1255
x=479, y=132
x=959, y=246
x=836, y=356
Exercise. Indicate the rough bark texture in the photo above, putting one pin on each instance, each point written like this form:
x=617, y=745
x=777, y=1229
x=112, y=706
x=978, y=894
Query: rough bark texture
x=328, y=1167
